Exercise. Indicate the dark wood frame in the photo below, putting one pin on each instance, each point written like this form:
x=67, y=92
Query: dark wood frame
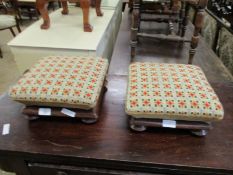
x=87, y=116
x=196, y=127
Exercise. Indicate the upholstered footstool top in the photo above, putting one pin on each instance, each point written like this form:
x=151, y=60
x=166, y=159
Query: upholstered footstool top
x=171, y=91
x=73, y=82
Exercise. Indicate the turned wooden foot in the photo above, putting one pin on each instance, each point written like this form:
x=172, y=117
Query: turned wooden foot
x=41, y=6
x=65, y=10
x=87, y=28
x=45, y=25
x=97, y=7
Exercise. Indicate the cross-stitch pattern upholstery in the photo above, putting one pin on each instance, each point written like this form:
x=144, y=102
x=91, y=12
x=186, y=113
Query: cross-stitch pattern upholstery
x=171, y=91
x=73, y=82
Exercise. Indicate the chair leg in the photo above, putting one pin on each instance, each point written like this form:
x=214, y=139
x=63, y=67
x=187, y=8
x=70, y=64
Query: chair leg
x=18, y=28
x=199, y=18
x=12, y=31
x=185, y=19
x=134, y=26
x=181, y=18
x=1, y=53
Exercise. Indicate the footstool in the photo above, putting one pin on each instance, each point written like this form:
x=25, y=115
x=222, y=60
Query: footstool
x=171, y=95
x=69, y=84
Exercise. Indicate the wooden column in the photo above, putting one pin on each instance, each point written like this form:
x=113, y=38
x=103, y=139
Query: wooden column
x=185, y=19
x=97, y=7
x=85, y=5
x=182, y=15
x=198, y=24
x=134, y=26
x=41, y=5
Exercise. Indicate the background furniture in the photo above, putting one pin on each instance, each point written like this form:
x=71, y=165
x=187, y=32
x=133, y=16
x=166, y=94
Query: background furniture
x=68, y=147
x=165, y=10
x=8, y=22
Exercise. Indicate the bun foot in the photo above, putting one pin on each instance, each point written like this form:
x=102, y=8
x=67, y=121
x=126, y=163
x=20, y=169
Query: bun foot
x=45, y=25
x=64, y=12
x=88, y=28
x=200, y=133
x=89, y=121
x=99, y=13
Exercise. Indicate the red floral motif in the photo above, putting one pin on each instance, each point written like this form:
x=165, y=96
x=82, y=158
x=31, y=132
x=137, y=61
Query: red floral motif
x=55, y=90
x=72, y=77
x=90, y=87
x=44, y=90
x=182, y=104
x=34, y=89
x=157, y=93
x=145, y=102
x=179, y=94
x=76, y=92
x=168, y=94
x=69, y=83
x=52, y=76
x=88, y=95
x=170, y=103
x=58, y=83
x=207, y=105
x=23, y=89
x=194, y=104
x=28, y=82
x=203, y=95
x=191, y=94
x=145, y=93
x=158, y=102
x=219, y=107
x=66, y=91
x=133, y=103
x=48, y=82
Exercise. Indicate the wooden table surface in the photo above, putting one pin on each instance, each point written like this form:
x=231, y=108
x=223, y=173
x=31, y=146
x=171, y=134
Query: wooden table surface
x=110, y=144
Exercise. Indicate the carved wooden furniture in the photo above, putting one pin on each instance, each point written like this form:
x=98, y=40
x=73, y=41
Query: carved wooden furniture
x=109, y=147
x=61, y=83
x=179, y=8
x=171, y=95
x=85, y=5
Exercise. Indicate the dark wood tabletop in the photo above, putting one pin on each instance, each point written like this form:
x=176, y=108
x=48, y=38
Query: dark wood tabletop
x=110, y=144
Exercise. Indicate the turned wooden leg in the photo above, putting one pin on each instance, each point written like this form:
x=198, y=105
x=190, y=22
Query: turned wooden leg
x=12, y=31
x=97, y=8
x=134, y=27
x=41, y=5
x=65, y=10
x=85, y=5
x=185, y=19
x=198, y=23
x=1, y=53
x=182, y=15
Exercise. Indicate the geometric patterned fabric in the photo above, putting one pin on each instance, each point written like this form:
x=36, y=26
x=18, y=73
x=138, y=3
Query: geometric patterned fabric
x=171, y=91
x=73, y=82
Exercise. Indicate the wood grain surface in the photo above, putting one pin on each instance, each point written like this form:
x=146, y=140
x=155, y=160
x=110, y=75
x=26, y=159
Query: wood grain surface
x=111, y=144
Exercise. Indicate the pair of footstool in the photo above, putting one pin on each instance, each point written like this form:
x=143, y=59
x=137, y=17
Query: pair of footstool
x=158, y=95
x=61, y=86
x=172, y=96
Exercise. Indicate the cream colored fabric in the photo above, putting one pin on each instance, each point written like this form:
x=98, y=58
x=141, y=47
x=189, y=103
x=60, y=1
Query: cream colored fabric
x=7, y=21
x=73, y=82
x=171, y=91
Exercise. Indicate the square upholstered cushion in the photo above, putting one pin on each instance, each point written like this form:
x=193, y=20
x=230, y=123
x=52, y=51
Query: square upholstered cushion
x=171, y=91
x=74, y=82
